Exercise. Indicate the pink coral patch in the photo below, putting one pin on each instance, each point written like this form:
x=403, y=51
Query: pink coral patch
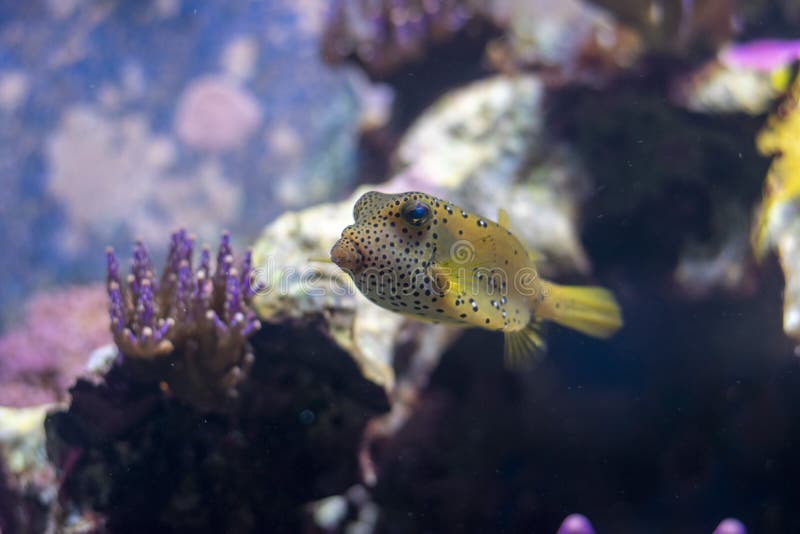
x=216, y=115
x=41, y=357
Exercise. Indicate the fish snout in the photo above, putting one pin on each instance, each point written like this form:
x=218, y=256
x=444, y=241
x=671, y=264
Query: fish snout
x=345, y=254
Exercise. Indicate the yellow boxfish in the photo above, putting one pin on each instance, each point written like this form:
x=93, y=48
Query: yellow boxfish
x=422, y=256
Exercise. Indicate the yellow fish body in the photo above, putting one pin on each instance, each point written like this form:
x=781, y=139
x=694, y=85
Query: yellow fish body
x=422, y=256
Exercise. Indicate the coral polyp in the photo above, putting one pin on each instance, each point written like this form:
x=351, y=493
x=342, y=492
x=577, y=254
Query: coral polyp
x=196, y=320
x=575, y=524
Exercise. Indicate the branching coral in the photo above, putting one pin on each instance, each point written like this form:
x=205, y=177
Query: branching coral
x=195, y=320
x=388, y=33
x=558, y=35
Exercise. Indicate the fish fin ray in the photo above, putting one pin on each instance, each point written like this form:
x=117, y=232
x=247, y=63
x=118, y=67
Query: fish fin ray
x=505, y=221
x=523, y=348
x=591, y=310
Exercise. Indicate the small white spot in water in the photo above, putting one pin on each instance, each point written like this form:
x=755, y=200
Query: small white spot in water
x=101, y=359
x=330, y=512
x=791, y=320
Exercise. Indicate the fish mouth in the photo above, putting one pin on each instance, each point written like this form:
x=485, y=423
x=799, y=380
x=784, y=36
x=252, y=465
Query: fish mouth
x=346, y=255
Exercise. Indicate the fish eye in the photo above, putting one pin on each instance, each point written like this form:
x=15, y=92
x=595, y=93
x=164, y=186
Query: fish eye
x=416, y=213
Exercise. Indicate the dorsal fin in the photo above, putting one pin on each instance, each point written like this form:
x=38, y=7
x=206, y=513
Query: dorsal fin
x=505, y=221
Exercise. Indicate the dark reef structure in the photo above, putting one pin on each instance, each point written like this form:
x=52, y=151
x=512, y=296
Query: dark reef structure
x=684, y=419
x=669, y=180
x=19, y=512
x=187, y=431
x=149, y=463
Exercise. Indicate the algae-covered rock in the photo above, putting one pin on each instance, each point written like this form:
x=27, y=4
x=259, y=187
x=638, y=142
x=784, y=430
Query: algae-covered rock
x=292, y=285
x=574, y=40
x=486, y=146
x=743, y=78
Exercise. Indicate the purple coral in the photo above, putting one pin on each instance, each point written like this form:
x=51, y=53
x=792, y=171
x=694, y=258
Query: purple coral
x=135, y=325
x=575, y=524
x=198, y=318
x=764, y=55
x=384, y=34
x=579, y=524
x=730, y=526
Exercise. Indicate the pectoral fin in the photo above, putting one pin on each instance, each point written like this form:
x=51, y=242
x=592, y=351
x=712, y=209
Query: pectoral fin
x=443, y=279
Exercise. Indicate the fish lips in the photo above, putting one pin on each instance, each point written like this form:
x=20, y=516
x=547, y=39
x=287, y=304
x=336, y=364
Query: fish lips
x=346, y=255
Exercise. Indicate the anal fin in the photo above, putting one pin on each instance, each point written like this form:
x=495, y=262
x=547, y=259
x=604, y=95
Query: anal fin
x=524, y=347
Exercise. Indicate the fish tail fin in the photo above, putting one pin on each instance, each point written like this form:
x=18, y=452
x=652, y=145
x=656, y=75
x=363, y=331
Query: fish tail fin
x=523, y=347
x=591, y=310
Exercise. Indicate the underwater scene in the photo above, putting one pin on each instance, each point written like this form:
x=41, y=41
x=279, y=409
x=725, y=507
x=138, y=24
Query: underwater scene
x=400, y=266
